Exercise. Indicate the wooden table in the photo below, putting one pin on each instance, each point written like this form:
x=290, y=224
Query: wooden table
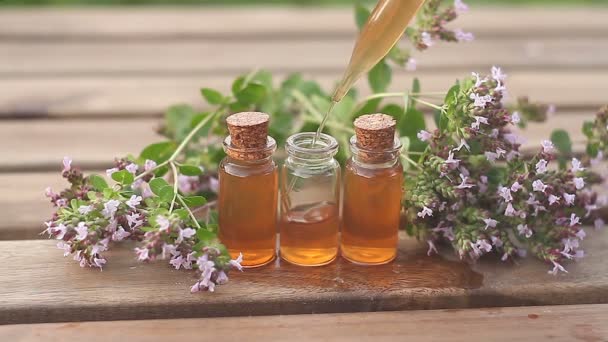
x=93, y=84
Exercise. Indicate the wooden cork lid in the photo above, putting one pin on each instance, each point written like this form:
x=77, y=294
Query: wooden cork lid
x=248, y=131
x=375, y=132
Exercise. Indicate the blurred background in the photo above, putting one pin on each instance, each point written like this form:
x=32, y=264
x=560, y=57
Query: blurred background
x=93, y=82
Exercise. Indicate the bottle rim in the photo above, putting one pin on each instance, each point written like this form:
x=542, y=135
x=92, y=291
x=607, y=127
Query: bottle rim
x=355, y=149
x=300, y=143
x=268, y=150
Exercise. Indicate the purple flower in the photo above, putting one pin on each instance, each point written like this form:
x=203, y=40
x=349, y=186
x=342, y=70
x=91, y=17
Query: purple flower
x=214, y=185
x=494, y=133
x=516, y=187
x=120, y=234
x=512, y=155
x=48, y=192
x=491, y=156
x=496, y=241
x=581, y=234
x=460, y=6
x=99, y=262
x=500, y=87
x=539, y=186
x=479, y=120
x=109, y=172
x=134, y=220
x=149, y=165
x=425, y=212
x=598, y=159
x=222, y=278
x=451, y=159
x=236, y=263
x=483, y=245
x=432, y=248
x=599, y=223
x=574, y=220
x=569, y=198
x=500, y=152
x=463, y=143
x=169, y=249
x=576, y=165
x=185, y=234
x=134, y=201
x=510, y=211
x=424, y=135
x=498, y=75
x=505, y=193
x=82, y=231
x=85, y=209
x=142, y=254
x=110, y=208
x=480, y=101
x=541, y=166
x=478, y=80
x=132, y=168
x=515, y=118
x=556, y=268
x=490, y=223
x=512, y=138
x=67, y=248
x=463, y=184
x=177, y=262
x=553, y=199
x=62, y=202
x=579, y=183
x=524, y=230
x=162, y=222
x=61, y=229
x=67, y=164
x=547, y=146
x=411, y=64
x=462, y=36
x=426, y=39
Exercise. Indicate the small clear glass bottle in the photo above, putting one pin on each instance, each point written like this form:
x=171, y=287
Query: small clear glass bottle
x=373, y=182
x=247, y=201
x=310, y=201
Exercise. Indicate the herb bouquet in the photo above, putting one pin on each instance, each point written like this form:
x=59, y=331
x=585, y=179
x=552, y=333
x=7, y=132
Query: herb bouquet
x=468, y=183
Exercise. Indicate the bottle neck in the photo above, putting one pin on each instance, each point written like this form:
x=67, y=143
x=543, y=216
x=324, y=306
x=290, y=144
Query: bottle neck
x=300, y=150
x=250, y=156
x=375, y=159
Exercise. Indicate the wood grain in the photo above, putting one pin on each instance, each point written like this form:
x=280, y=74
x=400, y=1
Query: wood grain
x=116, y=95
x=264, y=22
x=239, y=56
x=61, y=291
x=535, y=323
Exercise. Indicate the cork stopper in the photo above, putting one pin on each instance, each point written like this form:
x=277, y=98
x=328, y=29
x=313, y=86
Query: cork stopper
x=375, y=132
x=248, y=135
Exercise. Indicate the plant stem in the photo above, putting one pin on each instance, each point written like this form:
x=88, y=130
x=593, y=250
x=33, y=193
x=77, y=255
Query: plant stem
x=428, y=104
x=181, y=201
x=412, y=162
x=175, y=186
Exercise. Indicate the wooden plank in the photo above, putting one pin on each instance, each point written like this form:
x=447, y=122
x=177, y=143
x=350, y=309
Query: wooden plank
x=237, y=56
x=143, y=95
x=264, y=22
x=61, y=291
x=536, y=323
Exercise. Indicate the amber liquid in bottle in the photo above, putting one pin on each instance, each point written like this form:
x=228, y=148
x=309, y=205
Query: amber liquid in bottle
x=372, y=209
x=309, y=234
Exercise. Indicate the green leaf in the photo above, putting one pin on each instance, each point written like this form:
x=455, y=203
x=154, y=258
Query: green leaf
x=379, y=77
x=394, y=110
x=252, y=94
x=194, y=201
x=237, y=85
x=593, y=150
x=588, y=128
x=412, y=123
x=158, y=152
x=157, y=184
x=204, y=234
x=561, y=140
x=166, y=193
x=182, y=213
x=177, y=120
x=190, y=170
x=369, y=107
x=361, y=15
x=98, y=182
x=123, y=177
x=212, y=96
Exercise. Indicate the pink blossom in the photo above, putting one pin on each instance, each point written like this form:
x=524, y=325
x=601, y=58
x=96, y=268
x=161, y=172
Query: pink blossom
x=134, y=220
x=67, y=249
x=463, y=184
x=490, y=223
x=524, y=230
x=599, y=223
x=496, y=241
x=516, y=187
x=186, y=184
x=134, y=201
x=569, y=198
x=132, y=168
x=460, y=6
x=556, y=268
x=214, y=185
x=98, y=248
x=574, y=220
x=494, y=133
x=169, y=249
x=451, y=159
x=579, y=183
x=109, y=172
x=581, y=234
x=480, y=101
x=541, y=166
x=510, y=211
x=99, y=262
x=62, y=202
x=411, y=64
x=512, y=138
x=539, y=186
x=162, y=222
x=512, y=155
x=85, y=209
x=483, y=245
x=236, y=263
x=505, y=193
x=177, y=262
x=479, y=120
x=142, y=253
x=598, y=159
x=498, y=75
x=462, y=36
x=424, y=135
x=110, y=208
x=426, y=39
x=547, y=146
x=553, y=199
x=432, y=248
x=491, y=156
x=185, y=234
x=500, y=87
x=425, y=212
x=515, y=118
x=48, y=192
x=478, y=80
x=120, y=234
x=82, y=231
x=149, y=165
x=222, y=278
x=589, y=208
x=463, y=143
x=576, y=165
x=67, y=164
x=61, y=229
x=500, y=152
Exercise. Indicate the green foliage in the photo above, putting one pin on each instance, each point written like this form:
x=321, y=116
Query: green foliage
x=123, y=177
x=158, y=152
x=561, y=140
x=98, y=182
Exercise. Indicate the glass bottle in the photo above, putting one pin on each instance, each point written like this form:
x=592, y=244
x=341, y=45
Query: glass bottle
x=373, y=183
x=247, y=202
x=310, y=200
